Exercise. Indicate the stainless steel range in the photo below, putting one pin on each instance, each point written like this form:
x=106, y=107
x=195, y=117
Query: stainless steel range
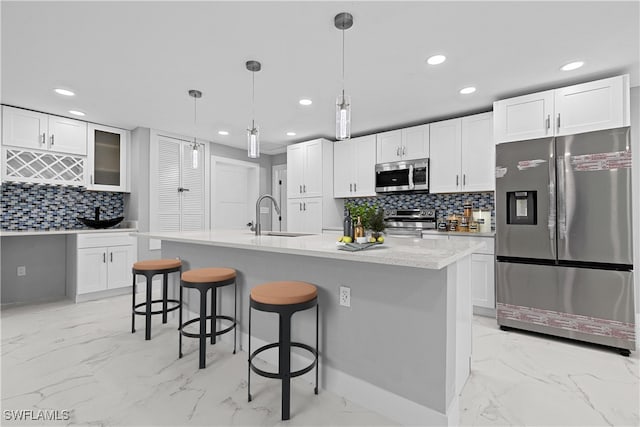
x=409, y=222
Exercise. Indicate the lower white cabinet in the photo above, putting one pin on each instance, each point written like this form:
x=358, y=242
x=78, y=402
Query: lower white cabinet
x=99, y=262
x=304, y=215
x=482, y=271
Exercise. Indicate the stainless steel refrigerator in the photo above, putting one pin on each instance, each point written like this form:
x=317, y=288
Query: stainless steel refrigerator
x=564, y=262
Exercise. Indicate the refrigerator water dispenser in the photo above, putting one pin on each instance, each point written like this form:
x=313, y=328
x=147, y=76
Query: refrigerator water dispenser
x=522, y=208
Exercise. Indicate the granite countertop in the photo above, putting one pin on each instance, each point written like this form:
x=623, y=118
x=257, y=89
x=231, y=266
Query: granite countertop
x=419, y=253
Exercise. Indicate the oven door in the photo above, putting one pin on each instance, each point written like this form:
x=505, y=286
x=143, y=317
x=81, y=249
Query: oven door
x=394, y=177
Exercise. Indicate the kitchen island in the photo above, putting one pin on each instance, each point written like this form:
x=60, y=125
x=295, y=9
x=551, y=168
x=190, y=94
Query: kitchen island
x=402, y=348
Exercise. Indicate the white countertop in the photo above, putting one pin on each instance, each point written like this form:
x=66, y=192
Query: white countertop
x=419, y=253
x=53, y=232
x=491, y=233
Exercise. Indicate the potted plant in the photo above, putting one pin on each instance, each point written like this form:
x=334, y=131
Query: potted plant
x=376, y=223
x=372, y=217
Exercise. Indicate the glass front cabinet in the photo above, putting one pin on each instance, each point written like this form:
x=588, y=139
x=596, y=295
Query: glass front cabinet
x=107, y=159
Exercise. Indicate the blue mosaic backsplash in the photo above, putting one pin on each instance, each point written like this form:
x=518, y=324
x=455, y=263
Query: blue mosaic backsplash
x=46, y=207
x=444, y=204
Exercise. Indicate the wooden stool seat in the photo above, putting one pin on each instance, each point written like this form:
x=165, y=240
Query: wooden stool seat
x=157, y=264
x=208, y=275
x=284, y=293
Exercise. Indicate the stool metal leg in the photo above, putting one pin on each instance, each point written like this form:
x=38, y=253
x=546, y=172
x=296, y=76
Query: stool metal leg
x=284, y=362
x=235, y=314
x=317, y=349
x=165, y=286
x=133, y=305
x=180, y=325
x=249, y=360
x=214, y=311
x=147, y=330
x=203, y=327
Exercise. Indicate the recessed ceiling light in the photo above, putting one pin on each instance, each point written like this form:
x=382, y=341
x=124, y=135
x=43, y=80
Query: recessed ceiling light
x=223, y=132
x=305, y=101
x=467, y=90
x=291, y=134
x=572, y=66
x=436, y=59
x=76, y=112
x=64, y=92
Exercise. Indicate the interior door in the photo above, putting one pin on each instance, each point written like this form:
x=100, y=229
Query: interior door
x=168, y=179
x=524, y=228
x=594, y=197
x=193, y=196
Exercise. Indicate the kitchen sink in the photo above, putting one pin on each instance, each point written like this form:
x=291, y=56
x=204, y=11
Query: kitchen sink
x=285, y=234
x=104, y=223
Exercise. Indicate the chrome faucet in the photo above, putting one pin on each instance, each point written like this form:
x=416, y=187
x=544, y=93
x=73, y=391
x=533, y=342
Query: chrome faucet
x=275, y=206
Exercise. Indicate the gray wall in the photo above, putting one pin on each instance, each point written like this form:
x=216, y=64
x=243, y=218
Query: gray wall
x=45, y=260
x=279, y=159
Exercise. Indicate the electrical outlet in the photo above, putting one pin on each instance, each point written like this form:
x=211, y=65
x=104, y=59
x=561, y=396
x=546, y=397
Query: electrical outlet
x=345, y=296
x=22, y=270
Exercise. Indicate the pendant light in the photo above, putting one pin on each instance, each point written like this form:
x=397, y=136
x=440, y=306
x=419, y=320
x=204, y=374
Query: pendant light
x=343, y=21
x=253, y=134
x=195, y=94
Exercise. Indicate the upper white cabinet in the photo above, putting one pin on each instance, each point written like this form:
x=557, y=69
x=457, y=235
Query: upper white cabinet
x=444, y=161
x=107, y=158
x=462, y=155
x=478, y=153
x=354, y=162
x=304, y=169
x=601, y=104
x=523, y=117
x=39, y=131
x=403, y=144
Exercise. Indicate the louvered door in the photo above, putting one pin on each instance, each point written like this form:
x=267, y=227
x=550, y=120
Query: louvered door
x=193, y=191
x=168, y=179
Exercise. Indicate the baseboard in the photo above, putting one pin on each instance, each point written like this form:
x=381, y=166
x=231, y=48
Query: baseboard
x=103, y=294
x=484, y=311
x=374, y=398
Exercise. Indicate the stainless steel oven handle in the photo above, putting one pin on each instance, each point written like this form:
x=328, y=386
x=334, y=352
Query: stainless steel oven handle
x=411, y=186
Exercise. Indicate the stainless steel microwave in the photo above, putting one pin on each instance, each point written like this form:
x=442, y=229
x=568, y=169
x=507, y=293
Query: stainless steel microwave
x=408, y=175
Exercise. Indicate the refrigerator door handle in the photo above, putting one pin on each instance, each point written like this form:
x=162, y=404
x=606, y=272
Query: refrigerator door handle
x=562, y=202
x=552, y=200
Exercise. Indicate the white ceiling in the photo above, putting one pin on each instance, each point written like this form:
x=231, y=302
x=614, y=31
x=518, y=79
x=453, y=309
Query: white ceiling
x=131, y=63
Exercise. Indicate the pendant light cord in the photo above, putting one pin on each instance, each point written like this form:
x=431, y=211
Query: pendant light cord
x=253, y=100
x=195, y=121
x=343, y=65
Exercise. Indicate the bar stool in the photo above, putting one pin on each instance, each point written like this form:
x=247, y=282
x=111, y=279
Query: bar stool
x=285, y=299
x=149, y=269
x=204, y=279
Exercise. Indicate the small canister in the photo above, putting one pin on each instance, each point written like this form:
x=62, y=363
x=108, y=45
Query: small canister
x=453, y=222
x=473, y=227
x=464, y=224
x=442, y=224
x=468, y=208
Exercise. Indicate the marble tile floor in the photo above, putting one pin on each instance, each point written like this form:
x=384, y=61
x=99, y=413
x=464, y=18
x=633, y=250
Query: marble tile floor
x=82, y=358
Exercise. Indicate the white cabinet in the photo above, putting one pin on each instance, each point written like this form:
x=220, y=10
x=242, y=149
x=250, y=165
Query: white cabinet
x=304, y=169
x=601, y=104
x=478, y=153
x=403, y=144
x=354, y=162
x=310, y=202
x=462, y=155
x=107, y=156
x=482, y=272
x=523, y=117
x=99, y=262
x=444, y=162
x=177, y=190
x=304, y=215
x=39, y=131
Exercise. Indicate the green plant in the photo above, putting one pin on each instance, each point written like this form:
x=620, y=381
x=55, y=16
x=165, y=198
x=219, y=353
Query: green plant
x=376, y=223
x=366, y=213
